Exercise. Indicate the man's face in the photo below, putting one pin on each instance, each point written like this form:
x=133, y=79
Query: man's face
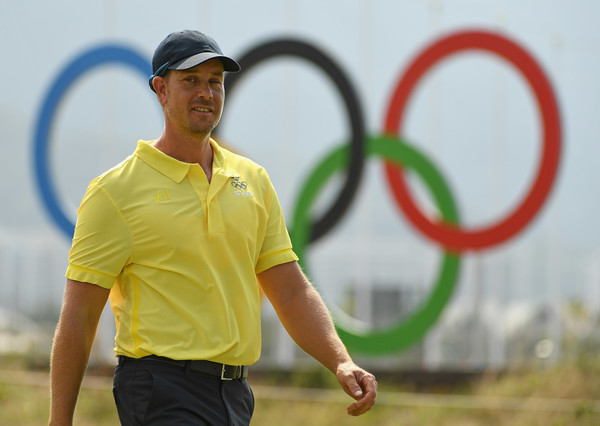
x=193, y=99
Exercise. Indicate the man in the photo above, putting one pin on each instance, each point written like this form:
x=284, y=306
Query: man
x=181, y=235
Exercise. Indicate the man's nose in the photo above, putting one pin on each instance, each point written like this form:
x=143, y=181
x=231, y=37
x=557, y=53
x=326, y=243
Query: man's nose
x=204, y=90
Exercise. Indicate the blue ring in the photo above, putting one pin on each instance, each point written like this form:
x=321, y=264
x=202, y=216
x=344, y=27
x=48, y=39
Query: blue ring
x=90, y=59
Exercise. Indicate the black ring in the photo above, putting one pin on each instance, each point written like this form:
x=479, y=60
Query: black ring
x=292, y=47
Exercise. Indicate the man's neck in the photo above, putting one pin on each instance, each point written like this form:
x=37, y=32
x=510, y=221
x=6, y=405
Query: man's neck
x=188, y=150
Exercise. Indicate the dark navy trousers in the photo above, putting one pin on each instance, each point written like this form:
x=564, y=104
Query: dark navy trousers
x=150, y=392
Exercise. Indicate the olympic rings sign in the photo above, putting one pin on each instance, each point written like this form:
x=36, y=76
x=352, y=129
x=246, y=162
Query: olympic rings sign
x=390, y=146
x=102, y=55
x=447, y=234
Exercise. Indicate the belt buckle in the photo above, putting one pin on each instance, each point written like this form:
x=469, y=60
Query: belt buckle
x=223, y=373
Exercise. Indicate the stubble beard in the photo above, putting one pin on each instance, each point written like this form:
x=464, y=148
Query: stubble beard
x=197, y=128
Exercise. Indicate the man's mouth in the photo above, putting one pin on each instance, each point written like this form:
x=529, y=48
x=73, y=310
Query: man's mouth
x=201, y=109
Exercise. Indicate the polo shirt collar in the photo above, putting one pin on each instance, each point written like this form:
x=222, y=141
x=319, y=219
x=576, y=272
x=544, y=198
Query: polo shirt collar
x=174, y=169
x=220, y=161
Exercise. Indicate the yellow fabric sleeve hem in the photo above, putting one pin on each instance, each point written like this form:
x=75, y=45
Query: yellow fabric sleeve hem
x=85, y=275
x=275, y=259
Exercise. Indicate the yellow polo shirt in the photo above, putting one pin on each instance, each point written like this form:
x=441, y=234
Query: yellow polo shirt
x=181, y=255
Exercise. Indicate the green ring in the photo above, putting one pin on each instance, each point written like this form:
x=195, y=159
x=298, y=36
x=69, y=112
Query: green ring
x=411, y=329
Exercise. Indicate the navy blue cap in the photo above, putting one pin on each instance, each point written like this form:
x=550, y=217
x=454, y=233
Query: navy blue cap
x=186, y=49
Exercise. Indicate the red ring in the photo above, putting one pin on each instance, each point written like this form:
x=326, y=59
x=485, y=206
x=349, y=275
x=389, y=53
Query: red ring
x=453, y=237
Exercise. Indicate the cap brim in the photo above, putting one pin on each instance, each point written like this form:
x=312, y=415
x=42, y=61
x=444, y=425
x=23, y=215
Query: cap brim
x=228, y=64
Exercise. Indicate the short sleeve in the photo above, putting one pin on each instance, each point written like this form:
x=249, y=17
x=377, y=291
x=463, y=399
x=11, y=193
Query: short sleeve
x=277, y=246
x=101, y=243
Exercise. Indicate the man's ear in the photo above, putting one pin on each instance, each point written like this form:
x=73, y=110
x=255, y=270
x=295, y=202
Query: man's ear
x=160, y=87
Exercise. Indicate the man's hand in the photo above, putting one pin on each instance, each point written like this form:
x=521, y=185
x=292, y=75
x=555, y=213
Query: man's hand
x=306, y=318
x=360, y=385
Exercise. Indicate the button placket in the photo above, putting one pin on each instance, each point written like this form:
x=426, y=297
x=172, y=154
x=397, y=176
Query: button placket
x=216, y=224
x=200, y=185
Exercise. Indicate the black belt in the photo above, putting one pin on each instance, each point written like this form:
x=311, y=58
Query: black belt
x=224, y=371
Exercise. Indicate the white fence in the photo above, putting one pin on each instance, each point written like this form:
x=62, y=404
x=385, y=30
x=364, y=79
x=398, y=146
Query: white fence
x=486, y=325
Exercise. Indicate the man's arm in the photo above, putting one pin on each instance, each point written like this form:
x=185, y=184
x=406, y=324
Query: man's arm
x=82, y=306
x=307, y=320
